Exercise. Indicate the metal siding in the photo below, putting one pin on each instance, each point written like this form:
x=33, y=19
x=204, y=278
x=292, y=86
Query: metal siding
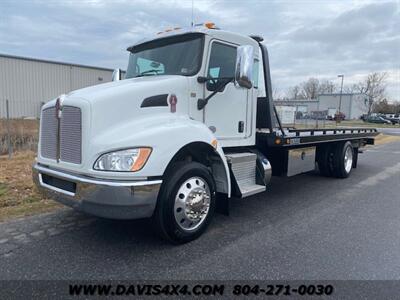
x=83, y=77
x=358, y=107
x=28, y=83
x=353, y=105
x=332, y=101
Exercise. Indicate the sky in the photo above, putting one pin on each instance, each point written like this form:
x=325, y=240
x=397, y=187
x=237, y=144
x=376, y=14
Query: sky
x=305, y=39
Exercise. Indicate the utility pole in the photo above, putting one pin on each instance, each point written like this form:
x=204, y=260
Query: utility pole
x=340, y=100
x=8, y=129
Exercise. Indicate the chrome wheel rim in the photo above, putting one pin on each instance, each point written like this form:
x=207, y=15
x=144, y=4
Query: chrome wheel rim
x=348, y=159
x=192, y=203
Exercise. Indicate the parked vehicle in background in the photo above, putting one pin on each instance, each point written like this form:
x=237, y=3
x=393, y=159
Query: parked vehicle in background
x=377, y=119
x=331, y=113
x=393, y=118
x=192, y=124
x=336, y=117
x=319, y=115
x=339, y=116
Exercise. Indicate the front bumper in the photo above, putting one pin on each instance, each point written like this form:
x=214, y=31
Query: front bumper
x=103, y=198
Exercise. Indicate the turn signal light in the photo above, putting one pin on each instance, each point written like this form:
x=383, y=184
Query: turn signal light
x=144, y=154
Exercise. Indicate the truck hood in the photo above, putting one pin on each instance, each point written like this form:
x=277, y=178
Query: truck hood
x=118, y=102
x=132, y=85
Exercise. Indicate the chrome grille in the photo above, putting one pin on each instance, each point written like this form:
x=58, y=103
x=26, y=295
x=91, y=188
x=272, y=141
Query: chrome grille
x=70, y=139
x=70, y=135
x=49, y=133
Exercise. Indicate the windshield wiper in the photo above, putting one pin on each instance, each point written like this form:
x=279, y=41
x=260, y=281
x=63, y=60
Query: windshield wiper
x=148, y=71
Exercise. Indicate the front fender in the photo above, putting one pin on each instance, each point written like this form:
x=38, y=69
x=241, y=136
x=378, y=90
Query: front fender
x=166, y=134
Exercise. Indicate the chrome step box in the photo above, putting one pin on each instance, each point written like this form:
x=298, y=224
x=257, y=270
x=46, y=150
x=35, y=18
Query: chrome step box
x=243, y=167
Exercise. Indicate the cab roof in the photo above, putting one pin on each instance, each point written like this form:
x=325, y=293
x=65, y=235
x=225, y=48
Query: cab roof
x=213, y=32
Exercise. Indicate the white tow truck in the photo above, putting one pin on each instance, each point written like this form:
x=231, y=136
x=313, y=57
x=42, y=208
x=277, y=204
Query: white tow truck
x=191, y=125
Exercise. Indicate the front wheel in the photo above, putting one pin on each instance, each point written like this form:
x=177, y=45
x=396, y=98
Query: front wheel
x=186, y=202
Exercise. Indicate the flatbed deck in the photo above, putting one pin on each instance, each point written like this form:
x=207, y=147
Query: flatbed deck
x=298, y=137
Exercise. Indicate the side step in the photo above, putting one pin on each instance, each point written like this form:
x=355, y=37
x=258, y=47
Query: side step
x=243, y=167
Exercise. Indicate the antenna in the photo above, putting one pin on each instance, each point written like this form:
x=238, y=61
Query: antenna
x=192, y=25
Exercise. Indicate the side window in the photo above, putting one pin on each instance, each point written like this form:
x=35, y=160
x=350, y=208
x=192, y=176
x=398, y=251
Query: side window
x=149, y=66
x=222, y=64
x=255, y=74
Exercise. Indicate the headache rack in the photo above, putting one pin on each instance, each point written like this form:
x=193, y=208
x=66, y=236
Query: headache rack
x=271, y=133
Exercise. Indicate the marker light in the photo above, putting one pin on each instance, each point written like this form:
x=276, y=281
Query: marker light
x=173, y=100
x=210, y=25
x=214, y=143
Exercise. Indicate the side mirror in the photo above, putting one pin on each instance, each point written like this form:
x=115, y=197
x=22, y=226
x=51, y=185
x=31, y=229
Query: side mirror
x=116, y=75
x=244, y=66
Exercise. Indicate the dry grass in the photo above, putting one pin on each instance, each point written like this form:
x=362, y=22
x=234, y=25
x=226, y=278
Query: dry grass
x=18, y=195
x=24, y=135
x=384, y=139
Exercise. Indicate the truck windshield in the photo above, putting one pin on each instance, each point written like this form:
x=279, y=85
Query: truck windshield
x=178, y=55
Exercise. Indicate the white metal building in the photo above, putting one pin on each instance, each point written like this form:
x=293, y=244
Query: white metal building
x=28, y=82
x=352, y=105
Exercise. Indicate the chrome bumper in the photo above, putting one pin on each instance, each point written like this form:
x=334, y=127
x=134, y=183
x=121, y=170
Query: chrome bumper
x=103, y=198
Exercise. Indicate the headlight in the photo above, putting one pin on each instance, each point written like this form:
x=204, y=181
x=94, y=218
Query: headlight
x=130, y=160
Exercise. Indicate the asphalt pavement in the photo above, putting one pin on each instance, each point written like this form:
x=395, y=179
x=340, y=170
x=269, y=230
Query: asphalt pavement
x=304, y=227
x=391, y=131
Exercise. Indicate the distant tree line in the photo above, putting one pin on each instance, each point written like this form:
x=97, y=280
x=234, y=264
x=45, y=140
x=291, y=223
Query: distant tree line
x=373, y=86
x=311, y=88
x=384, y=107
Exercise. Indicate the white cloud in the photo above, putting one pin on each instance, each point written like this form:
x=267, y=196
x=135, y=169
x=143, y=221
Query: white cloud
x=305, y=38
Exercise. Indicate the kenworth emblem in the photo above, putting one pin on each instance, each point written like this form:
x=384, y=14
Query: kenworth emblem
x=59, y=106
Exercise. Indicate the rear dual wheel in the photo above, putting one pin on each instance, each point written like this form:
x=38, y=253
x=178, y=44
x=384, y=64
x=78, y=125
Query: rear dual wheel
x=343, y=160
x=336, y=160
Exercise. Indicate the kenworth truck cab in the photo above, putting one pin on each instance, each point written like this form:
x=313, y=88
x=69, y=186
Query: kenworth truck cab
x=191, y=125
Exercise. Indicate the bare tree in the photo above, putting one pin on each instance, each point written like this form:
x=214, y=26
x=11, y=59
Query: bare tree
x=374, y=86
x=383, y=106
x=277, y=95
x=295, y=93
x=327, y=87
x=310, y=88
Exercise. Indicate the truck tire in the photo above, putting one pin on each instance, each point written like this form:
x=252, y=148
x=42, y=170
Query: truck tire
x=324, y=160
x=343, y=156
x=186, y=202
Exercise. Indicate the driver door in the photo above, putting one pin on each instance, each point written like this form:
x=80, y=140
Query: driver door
x=226, y=112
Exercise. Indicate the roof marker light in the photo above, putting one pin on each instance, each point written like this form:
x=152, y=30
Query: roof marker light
x=210, y=25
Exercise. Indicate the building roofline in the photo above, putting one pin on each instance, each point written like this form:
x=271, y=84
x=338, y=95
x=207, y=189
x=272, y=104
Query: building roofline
x=297, y=100
x=343, y=94
x=54, y=62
